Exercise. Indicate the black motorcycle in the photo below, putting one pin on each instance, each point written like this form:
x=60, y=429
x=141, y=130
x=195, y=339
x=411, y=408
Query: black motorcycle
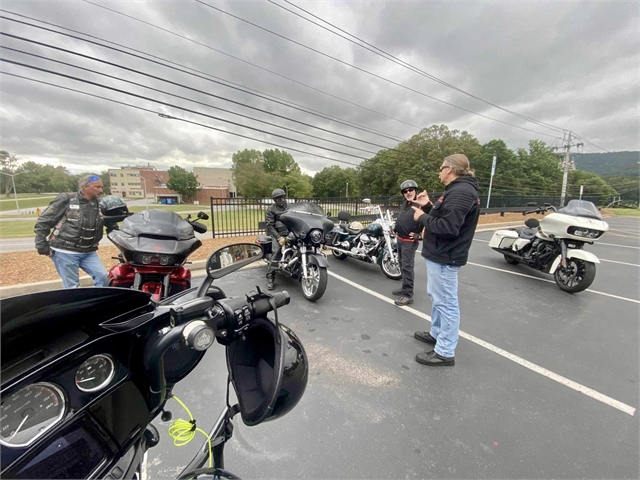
x=376, y=243
x=154, y=246
x=85, y=372
x=301, y=257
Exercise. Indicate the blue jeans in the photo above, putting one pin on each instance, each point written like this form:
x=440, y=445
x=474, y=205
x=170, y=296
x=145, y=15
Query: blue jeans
x=67, y=266
x=442, y=288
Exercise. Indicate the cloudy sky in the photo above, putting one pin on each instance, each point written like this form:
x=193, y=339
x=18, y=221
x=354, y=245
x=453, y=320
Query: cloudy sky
x=483, y=66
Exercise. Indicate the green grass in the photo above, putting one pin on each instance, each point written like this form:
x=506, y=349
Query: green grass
x=626, y=212
x=26, y=195
x=17, y=229
x=31, y=203
x=174, y=208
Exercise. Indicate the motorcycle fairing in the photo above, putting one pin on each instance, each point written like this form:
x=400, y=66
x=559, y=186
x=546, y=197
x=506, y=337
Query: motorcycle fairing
x=162, y=223
x=574, y=253
x=303, y=222
x=143, y=244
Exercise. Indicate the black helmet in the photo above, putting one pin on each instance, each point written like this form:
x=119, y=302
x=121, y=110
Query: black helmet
x=269, y=371
x=278, y=192
x=408, y=184
x=112, y=206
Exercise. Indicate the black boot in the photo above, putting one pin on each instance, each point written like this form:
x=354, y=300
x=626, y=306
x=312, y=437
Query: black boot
x=271, y=281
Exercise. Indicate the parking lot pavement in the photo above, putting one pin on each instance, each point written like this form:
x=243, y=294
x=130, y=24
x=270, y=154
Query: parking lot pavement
x=370, y=411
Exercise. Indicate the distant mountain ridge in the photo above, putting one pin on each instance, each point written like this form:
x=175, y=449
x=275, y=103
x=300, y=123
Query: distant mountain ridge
x=614, y=164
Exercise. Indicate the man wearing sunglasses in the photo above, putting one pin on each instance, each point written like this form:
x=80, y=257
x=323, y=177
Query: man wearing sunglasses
x=408, y=235
x=450, y=224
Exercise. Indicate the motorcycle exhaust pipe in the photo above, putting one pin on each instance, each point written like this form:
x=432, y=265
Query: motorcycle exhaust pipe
x=347, y=252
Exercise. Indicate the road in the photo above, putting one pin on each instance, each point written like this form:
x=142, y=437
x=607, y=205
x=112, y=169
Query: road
x=545, y=383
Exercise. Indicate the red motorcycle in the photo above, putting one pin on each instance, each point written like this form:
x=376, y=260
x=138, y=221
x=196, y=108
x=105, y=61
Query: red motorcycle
x=154, y=246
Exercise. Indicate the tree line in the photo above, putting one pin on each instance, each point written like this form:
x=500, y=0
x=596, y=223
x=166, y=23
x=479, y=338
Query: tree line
x=531, y=171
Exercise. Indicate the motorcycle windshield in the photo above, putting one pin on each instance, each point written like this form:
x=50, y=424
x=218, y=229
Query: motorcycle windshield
x=307, y=207
x=160, y=223
x=581, y=208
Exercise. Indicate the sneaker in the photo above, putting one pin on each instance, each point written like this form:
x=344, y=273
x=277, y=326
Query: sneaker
x=270, y=283
x=404, y=301
x=425, y=337
x=397, y=292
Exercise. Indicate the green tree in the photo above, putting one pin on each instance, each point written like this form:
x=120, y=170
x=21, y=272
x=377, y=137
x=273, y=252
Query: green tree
x=183, y=182
x=332, y=182
x=106, y=181
x=593, y=185
x=297, y=185
x=281, y=162
x=252, y=181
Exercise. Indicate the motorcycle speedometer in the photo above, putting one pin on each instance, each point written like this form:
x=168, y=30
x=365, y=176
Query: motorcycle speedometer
x=95, y=373
x=29, y=413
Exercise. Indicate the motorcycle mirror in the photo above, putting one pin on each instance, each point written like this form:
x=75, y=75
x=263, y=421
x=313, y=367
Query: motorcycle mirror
x=231, y=258
x=203, y=216
x=328, y=214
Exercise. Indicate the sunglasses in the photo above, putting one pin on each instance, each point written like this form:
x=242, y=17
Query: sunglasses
x=407, y=190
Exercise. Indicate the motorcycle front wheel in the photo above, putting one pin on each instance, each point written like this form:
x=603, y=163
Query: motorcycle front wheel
x=339, y=255
x=575, y=277
x=391, y=267
x=314, y=285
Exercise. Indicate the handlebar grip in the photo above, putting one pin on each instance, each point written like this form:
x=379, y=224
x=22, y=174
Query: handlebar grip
x=263, y=306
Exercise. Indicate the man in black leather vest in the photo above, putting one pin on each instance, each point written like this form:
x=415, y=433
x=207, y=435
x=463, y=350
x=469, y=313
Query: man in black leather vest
x=277, y=230
x=77, y=225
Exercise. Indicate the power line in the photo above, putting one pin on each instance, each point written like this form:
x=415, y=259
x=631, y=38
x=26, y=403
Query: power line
x=396, y=60
x=249, y=63
x=174, y=106
x=225, y=81
x=163, y=115
x=368, y=72
x=184, y=98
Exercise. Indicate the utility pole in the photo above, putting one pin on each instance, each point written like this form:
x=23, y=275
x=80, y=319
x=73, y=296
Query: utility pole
x=493, y=172
x=567, y=164
x=347, y=189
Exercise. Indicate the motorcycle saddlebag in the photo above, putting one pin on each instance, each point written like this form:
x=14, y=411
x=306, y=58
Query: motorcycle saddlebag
x=503, y=239
x=265, y=242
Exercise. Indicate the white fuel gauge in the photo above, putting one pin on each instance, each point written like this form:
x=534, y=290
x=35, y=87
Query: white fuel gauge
x=95, y=373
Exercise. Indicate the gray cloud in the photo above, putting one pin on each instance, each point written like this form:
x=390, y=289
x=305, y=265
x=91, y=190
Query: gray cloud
x=573, y=65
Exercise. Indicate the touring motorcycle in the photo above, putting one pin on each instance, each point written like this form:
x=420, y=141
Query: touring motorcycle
x=554, y=245
x=301, y=257
x=375, y=243
x=85, y=372
x=154, y=246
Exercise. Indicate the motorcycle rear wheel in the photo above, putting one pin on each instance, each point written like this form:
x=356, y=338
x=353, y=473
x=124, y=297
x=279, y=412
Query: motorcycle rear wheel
x=339, y=255
x=315, y=284
x=511, y=260
x=577, y=277
x=391, y=267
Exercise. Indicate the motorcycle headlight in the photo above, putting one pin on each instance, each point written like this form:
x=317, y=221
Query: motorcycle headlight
x=145, y=258
x=316, y=236
x=167, y=259
x=584, y=232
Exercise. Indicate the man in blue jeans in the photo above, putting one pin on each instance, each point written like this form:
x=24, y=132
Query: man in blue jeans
x=77, y=226
x=450, y=224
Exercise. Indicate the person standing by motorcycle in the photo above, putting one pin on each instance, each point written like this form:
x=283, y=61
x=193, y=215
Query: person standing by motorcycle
x=449, y=228
x=77, y=225
x=408, y=235
x=277, y=230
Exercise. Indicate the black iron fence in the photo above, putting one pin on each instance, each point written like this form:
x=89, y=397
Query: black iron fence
x=245, y=216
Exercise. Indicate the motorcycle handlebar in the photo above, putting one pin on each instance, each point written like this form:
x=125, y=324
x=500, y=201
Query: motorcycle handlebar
x=264, y=305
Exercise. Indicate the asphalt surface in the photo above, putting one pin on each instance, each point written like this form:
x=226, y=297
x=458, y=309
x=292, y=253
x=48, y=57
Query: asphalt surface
x=545, y=383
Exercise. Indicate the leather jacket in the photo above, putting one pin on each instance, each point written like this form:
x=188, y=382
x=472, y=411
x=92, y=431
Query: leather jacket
x=76, y=222
x=275, y=228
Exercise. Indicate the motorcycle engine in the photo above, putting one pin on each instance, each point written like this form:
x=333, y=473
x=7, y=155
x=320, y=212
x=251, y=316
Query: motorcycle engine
x=364, y=238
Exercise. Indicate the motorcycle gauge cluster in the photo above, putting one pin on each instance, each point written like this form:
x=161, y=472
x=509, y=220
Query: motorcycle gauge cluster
x=29, y=413
x=95, y=373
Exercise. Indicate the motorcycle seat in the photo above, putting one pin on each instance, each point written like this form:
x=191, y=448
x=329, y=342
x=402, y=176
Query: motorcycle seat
x=526, y=233
x=349, y=230
x=263, y=239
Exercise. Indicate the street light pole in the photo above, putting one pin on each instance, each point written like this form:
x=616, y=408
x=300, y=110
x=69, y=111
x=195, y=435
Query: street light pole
x=13, y=183
x=347, y=189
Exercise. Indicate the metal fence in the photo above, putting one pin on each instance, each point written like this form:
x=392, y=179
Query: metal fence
x=245, y=216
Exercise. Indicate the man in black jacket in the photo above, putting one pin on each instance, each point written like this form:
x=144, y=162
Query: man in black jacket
x=77, y=226
x=449, y=228
x=277, y=230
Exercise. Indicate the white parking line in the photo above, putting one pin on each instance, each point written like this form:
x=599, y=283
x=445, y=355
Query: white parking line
x=616, y=245
x=623, y=407
x=621, y=263
x=551, y=281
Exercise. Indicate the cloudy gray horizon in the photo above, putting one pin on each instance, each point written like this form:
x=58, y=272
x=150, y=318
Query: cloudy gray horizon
x=568, y=65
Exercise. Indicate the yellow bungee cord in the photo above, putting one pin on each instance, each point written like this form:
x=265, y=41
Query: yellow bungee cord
x=183, y=431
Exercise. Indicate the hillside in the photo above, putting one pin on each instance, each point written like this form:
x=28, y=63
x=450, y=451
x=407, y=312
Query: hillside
x=614, y=164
